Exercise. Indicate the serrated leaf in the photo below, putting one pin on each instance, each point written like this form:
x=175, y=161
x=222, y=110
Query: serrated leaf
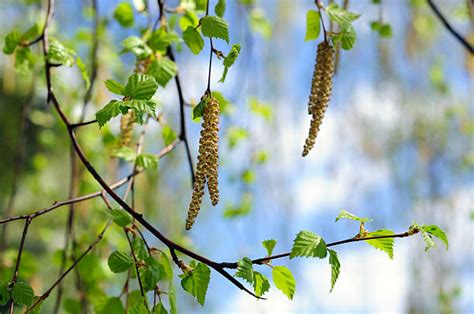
x=120, y=217
x=4, y=294
x=22, y=293
x=151, y=274
x=193, y=40
x=136, y=46
x=261, y=284
x=219, y=9
x=344, y=214
x=59, y=54
x=139, y=308
x=347, y=37
x=161, y=39
x=119, y=262
x=269, y=245
x=308, y=244
x=284, y=280
x=147, y=161
x=163, y=70
x=216, y=27
x=140, y=107
x=437, y=232
x=111, y=110
x=141, y=87
x=11, y=41
x=124, y=14
x=83, y=69
x=115, y=87
x=335, y=267
x=340, y=15
x=245, y=269
x=313, y=25
x=229, y=60
x=168, y=135
x=197, y=281
x=384, y=244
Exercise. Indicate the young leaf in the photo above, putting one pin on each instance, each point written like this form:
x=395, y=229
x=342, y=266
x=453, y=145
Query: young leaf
x=245, y=269
x=115, y=87
x=140, y=86
x=32, y=33
x=111, y=110
x=124, y=14
x=139, y=308
x=22, y=293
x=4, y=294
x=163, y=70
x=151, y=274
x=346, y=36
x=284, y=280
x=113, y=305
x=58, y=54
x=147, y=161
x=308, y=244
x=260, y=284
x=119, y=262
x=198, y=110
x=140, y=107
x=214, y=26
x=126, y=153
x=161, y=39
x=313, y=25
x=168, y=134
x=344, y=214
x=24, y=60
x=120, y=217
x=229, y=60
x=220, y=8
x=340, y=15
x=437, y=232
x=137, y=46
x=159, y=309
x=11, y=41
x=335, y=267
x=384, y=244
x=193, y=40
x=197, y=281
x=269, y=245
x=83, y=69
x=188, y=19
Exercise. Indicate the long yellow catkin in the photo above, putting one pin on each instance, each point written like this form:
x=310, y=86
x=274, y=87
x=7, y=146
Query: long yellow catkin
x=126, y=128
x=207, y=165
x=321, y=90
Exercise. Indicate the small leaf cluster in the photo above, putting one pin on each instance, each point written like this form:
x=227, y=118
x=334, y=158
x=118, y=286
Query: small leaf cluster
x=19, y=293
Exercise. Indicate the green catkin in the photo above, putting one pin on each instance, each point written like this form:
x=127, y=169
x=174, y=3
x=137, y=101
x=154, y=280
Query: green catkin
x=207, y=165
x=126, y=128
x=321, y=90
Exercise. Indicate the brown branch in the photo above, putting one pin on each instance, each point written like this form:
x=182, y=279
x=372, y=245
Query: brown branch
x=449, y=27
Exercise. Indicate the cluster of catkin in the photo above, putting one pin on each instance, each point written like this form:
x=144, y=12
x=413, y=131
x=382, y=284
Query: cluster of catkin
x=126, y=128
x=207, y=165
x=321, y=90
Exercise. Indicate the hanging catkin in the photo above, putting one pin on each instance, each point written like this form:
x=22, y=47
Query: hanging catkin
x=321, y=90
x=126, y=128
x=207, y=165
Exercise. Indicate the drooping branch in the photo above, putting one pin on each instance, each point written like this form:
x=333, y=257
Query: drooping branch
x=450, y=28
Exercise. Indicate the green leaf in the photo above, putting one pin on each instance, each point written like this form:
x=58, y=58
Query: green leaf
x=344, y=214
x=346, y=36
x=269, y=245
x=32, y=33
x=384, y=244
x=385, y=30
x=159, y=309
x=229, y=60
x=168, y=134
x=124, y=14
x=198, y=110
x=83, y=69
x=119, y=262
x=220, y=8
x=308, y=244
x=340, y=15
x=58, y=54
x=136, y=46
x=163, y=70
x=248, y=176
x=172, y=298
x=140, y=107
x=196, y=282
x=245, y=269
x=22, y=293
x=260, y=283
x=193, y=40
x=188, y=19
x=437, y=232
x=151, y=274
x=140, y=86
x=244, y=207
x=139, y=308
x=284, y=280
x=111, y=110
x=147, y=161
x=216, y=27
x=4, y=294
x=235, y=135
x=11, y=41
x=24, y=60
x=313, y=25
x=120, y=217
x=161, y=39
x=335, y=267
x=113, y=305
x=259, y=23
x=261, y=109
x=126, y=153
x=115, y=87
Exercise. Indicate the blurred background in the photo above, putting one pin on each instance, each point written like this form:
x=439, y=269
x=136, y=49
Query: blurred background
x=396, y=145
